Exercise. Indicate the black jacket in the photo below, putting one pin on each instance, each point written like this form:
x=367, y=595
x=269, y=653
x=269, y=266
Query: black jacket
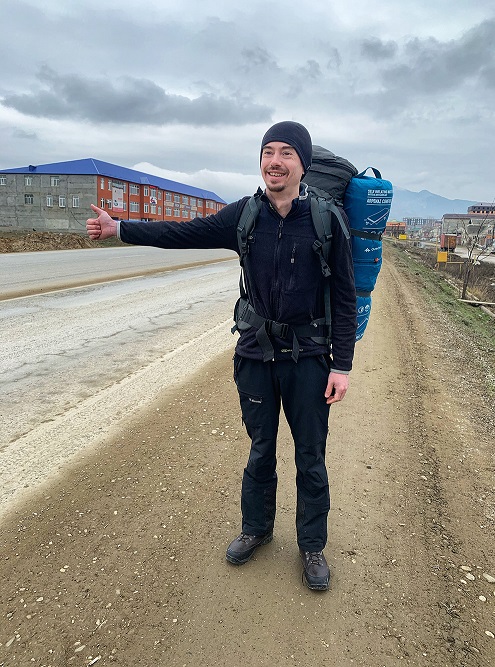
x=282, y=271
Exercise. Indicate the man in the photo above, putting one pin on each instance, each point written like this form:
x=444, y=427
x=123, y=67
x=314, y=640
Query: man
x=278, y=359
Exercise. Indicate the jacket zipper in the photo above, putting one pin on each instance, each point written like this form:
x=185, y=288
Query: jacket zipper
x=276, y=290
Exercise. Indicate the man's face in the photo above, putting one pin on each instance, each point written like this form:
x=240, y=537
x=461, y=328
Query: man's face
x=281, y=168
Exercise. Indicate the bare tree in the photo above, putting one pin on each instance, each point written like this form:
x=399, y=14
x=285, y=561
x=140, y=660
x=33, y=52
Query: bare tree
x=477, y=247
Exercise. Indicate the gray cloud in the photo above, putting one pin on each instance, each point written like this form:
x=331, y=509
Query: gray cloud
x=257, y=60
x=311, y=70
x=129, y=100
x=299, y=81
x=18, y=133
x=431, y=66
x=334, y=60
x=430, y=80
x=487, y=76
x=375, y=49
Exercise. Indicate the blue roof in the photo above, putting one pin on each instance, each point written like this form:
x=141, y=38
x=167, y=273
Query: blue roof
x=91, y=166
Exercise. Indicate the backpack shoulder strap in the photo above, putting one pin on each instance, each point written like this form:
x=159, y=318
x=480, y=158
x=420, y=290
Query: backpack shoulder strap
x=322, y=224
x=322, y=212
x=246, y=223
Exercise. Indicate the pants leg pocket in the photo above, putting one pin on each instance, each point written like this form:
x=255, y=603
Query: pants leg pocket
x=251, y=406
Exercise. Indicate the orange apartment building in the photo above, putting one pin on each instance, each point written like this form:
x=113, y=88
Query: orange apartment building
x=57, y=196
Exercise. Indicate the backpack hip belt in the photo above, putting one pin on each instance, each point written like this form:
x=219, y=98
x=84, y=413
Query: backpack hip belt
x=246, y=317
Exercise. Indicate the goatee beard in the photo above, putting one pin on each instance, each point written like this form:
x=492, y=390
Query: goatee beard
x=276, y=188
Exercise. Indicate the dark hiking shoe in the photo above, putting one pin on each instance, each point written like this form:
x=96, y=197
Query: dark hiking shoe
x=316, y=574
x=243, y=547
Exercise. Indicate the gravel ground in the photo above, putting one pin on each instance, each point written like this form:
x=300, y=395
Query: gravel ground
x=118, y=558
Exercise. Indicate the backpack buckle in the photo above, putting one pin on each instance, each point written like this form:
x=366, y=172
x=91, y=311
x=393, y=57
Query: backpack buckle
x=277, y=328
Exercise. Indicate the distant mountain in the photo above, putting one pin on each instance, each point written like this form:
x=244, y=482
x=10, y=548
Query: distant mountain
x=424, y=204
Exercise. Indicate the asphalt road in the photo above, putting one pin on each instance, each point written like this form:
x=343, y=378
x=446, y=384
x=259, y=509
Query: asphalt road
x=65, y=350
x=39, y=272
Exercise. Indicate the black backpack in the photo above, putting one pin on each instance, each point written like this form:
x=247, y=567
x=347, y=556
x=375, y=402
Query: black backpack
x=366, y=201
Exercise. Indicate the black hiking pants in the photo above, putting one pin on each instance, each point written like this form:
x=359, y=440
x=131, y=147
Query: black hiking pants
x=263, y=387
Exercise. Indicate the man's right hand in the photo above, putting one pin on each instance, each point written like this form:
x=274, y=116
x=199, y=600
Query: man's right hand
x=102, y=227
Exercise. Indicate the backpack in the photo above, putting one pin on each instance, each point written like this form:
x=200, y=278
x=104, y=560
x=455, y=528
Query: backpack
x=333, y=183
x=366, y=201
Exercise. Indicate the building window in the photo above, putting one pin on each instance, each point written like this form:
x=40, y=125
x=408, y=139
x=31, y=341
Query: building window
x=134, y=207
x=185, y=200
x=192, y=215
x=102, y=203
x=110, y=185
x=153, y=208
x=177, y=199
x=146, y=208
x=168, y=196
x=153, y=192
x=61, y=201
x=176, y=213
x=133, y=189
x=75, y=202
x=102, y=183
x=29, y=199
x=28, y=180
x=3, y=180
x=125, y=187
x=146, y=191
x=185, y=214
x=193, y=201
x=125, y=206
x=54, y=181
x=200, y=202
x=168, y=212
x=159, y=194
x=109, y=203
x=159, y=210
x=49, y=200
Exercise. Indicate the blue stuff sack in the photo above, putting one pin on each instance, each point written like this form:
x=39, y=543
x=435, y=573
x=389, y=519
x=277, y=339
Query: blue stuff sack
x=367, y=204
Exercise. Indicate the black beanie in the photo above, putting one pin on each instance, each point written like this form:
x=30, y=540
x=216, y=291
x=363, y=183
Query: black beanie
x=295, y=135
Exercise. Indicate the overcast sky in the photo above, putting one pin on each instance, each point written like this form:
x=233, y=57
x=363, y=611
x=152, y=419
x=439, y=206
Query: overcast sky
x=186, y=89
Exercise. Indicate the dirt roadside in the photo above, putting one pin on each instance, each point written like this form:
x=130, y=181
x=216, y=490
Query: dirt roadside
x=121, y=560
x=15, y=241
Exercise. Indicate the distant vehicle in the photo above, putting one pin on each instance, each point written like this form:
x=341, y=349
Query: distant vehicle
x=448, y=241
